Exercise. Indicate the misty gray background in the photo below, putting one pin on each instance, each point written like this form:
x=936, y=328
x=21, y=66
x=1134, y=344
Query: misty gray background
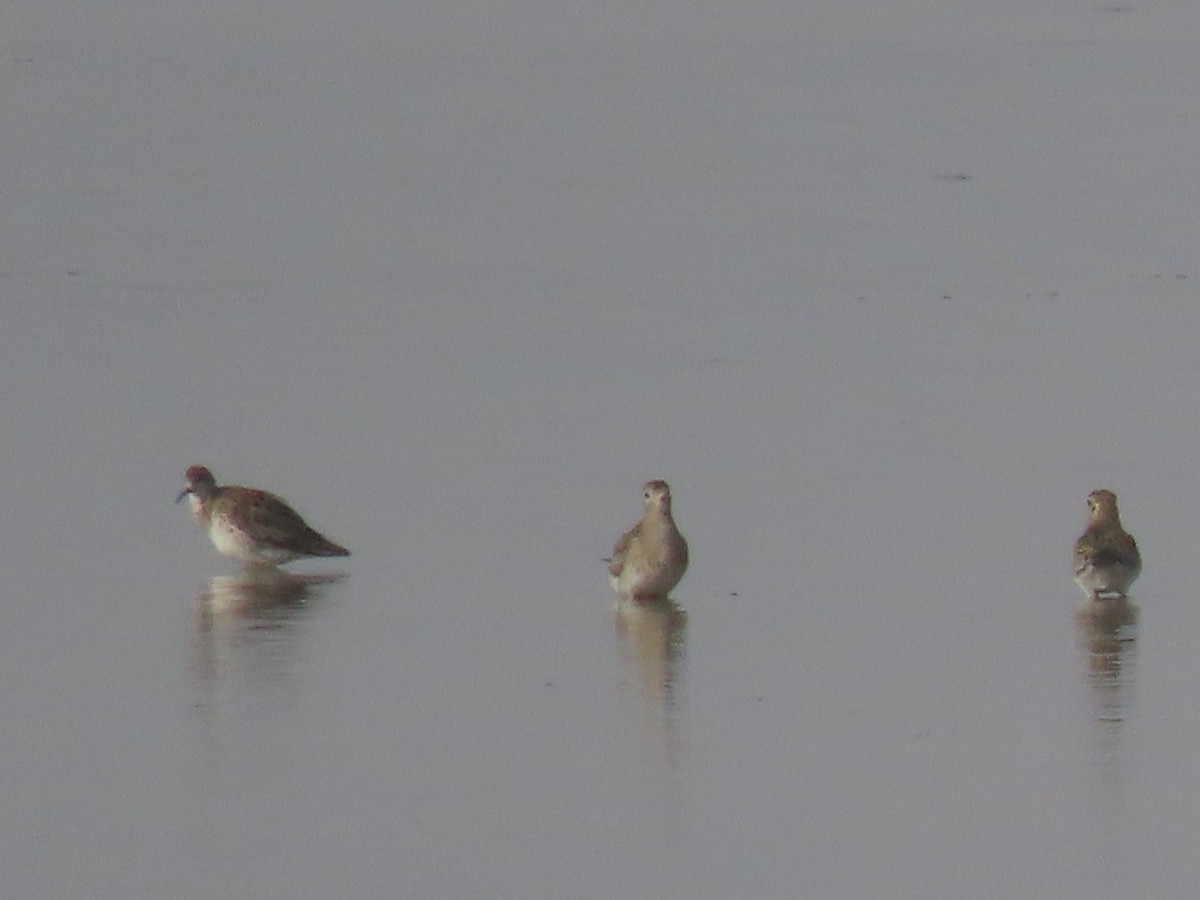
x=882, y=289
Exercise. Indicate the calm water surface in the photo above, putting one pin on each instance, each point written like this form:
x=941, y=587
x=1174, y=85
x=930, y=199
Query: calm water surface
x=882, y=295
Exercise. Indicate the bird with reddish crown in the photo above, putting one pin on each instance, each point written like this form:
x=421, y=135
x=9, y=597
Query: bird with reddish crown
x=250, y=525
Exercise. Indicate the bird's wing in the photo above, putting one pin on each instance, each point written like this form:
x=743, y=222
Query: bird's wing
x=270, y=519
x=1106, y=549
x=1120, y=548
x=621, y=550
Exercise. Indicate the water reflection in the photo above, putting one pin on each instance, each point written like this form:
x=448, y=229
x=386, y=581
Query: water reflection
x=1107, y=634
x=1107, y=639
x=262, y=592
x=653, y=639
x=245, y=624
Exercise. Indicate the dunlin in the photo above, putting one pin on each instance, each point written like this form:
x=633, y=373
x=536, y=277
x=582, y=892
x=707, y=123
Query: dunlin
x=251, y=525
x=1106, y=556
x=650, y=557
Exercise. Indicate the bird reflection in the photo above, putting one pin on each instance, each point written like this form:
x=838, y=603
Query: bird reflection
x=257, y=592
x=245, y=632
x=1107, y=638
x=653, y=641
x=1107, y=635
x=1107, y=632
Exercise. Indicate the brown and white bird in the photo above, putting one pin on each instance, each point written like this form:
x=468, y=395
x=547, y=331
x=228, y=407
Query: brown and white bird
x=650, y=558
x=251, y=525
x=1106, y=556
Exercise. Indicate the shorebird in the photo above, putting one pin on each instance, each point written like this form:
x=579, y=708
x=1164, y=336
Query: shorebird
x=650, y=558
x=251, y=525
x=1106, y=556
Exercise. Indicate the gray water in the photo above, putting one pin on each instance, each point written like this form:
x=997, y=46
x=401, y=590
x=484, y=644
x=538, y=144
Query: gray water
x=883, y=290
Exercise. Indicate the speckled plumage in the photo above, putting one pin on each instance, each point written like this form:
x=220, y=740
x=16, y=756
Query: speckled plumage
x=1107, y=560
x=252, y=525
x=650, y=558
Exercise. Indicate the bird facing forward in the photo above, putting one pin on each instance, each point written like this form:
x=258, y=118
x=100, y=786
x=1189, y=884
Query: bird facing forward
x=1106, y=556
x=650, y=558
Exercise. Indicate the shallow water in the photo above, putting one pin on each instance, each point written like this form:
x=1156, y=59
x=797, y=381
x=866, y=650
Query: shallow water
x=882, y=294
